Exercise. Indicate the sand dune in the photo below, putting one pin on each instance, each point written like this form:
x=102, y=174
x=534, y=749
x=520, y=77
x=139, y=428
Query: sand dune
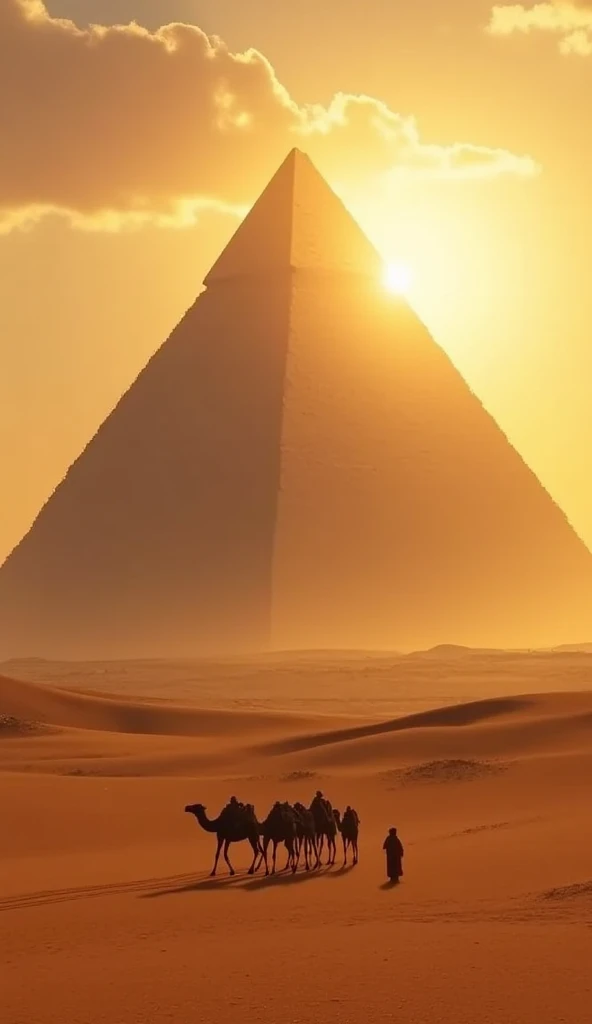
x=147, y=738
x=109, y=912
x=52, y=706
x=509, y=726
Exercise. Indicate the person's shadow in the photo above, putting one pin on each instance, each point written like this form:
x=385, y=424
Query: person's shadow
x=390, y=884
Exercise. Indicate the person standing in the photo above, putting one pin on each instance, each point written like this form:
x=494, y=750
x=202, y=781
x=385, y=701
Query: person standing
x=393, y=848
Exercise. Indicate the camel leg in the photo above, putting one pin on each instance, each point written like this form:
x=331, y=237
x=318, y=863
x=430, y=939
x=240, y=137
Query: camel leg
x=320, y=850
x=290, y=852
x=217, y=857
x=315, y=846
x=263, y=856
x=256, y=852
x=344, y=841
x=332, y=851
x=295, y=856
x=327, y=840
x=275, y=846
x=355, y=849
x=226, y=845
x=306, y=853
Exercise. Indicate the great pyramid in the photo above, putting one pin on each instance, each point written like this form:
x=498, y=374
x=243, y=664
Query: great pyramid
x=299, y=465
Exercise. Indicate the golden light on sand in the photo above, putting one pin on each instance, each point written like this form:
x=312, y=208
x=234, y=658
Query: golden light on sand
x=398, y=278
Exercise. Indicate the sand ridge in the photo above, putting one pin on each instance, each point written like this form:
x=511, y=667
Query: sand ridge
x=106, y=712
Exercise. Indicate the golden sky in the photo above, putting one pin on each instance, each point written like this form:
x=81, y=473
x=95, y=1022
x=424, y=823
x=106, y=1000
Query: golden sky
x=457, y=132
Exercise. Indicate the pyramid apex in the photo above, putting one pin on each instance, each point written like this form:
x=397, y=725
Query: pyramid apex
x=294, y=157
x=297, y=222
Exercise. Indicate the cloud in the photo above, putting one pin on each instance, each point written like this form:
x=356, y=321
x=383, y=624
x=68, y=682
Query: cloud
x=571, y=22
x=114, y=126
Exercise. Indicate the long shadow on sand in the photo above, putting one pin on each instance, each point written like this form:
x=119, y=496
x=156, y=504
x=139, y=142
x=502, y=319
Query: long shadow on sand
x=343, y=869
x=248, y=883
x=199, y=885
x=287, y=878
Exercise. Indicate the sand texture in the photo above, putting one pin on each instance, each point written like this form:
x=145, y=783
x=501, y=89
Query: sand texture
x=482, y=759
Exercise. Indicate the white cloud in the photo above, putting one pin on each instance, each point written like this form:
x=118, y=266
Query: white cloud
x=570, y=22
x=114, y=126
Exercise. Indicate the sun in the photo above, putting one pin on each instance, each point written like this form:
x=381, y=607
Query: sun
x=398, y=278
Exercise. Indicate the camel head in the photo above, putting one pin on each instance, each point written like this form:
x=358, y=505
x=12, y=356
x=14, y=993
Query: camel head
x=337, y=816
x=194, y=808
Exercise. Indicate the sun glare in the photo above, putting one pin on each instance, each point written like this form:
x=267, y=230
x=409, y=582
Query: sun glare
x=398, y=278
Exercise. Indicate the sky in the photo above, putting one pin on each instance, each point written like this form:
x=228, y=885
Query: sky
x=134, y=135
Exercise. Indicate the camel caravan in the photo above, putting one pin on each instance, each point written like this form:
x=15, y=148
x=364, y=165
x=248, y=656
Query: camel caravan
x=304, y=831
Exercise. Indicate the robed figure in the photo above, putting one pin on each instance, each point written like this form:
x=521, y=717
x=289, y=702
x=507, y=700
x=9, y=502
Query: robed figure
x=393, y=848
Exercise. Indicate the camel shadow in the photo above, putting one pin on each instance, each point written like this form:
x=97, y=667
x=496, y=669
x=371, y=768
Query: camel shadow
x=248, y=883
x=284, y=878
x=200, y=885
x=344, y=869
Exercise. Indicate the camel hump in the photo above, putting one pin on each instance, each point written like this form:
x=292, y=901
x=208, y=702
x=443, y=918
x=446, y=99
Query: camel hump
x=233, y=813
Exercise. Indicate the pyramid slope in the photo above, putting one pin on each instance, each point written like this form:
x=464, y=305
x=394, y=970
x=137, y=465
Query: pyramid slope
x=159, y=537
x=404, y=511
x=297, y=222
x=299, y=465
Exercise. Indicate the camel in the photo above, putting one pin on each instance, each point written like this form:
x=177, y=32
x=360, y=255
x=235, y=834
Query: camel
x=229, y=828
x=325, y=826
x=279, y=827
x=306, y=835
x=349, y=826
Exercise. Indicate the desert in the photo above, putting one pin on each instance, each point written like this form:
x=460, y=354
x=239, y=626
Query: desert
x=482, y=759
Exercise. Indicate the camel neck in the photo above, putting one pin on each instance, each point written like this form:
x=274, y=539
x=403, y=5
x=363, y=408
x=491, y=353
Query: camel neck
x=204, y=821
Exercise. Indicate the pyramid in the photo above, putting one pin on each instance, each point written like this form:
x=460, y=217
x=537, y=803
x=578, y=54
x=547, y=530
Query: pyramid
x=299, y=466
